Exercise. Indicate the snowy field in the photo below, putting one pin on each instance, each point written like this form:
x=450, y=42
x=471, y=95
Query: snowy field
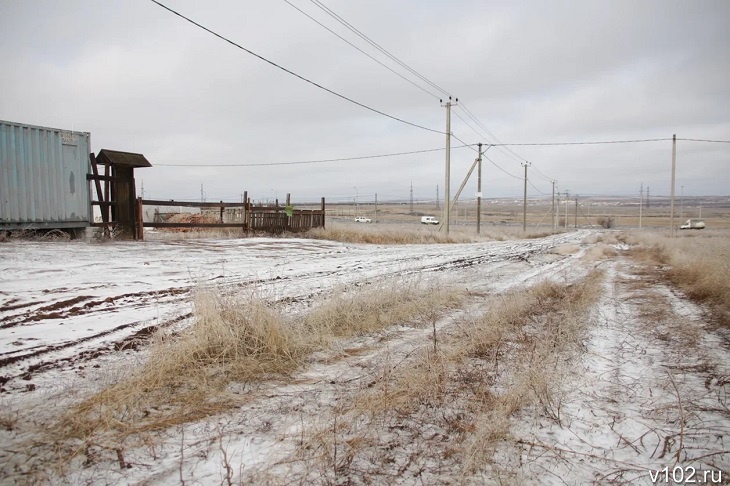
x=640, y=398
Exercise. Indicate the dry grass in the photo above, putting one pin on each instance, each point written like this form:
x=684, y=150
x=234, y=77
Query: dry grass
x=185, y=376
x=240, y=339
x=396, y=234
x=698, y=264
x=378, y=306
x=453, y=405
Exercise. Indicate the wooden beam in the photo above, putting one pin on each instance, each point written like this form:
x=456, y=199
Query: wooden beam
x=189, y=204
x=192, y=225
x=99, y=194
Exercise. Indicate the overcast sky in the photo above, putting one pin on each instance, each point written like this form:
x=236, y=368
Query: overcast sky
x=141, y=79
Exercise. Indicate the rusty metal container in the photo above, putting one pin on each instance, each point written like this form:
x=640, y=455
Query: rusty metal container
x=43, y=177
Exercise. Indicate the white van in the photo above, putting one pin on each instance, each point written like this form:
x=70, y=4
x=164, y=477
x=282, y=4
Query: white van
x=429, y=220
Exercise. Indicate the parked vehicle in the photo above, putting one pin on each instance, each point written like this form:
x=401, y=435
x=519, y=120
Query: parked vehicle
x=693, y=224
x=363, y=219
x=429, y=220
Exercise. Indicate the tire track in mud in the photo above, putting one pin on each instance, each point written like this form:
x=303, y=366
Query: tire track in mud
x=23, y=364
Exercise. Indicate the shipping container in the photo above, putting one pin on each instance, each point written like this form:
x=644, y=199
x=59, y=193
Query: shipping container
x=43, y=177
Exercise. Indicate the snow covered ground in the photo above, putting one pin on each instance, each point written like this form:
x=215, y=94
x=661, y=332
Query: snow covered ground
x=643, y=397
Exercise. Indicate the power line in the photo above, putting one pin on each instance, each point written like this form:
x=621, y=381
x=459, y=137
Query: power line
x=586, y=143
x=374, y=110
x=534, y=187
x=500, y=168
x=342, y=159
x=367, y=39
x=363, y=52
x=505, y=150
x=542, y=175
x=702, y=140
x=494, y=163
x=467, y=123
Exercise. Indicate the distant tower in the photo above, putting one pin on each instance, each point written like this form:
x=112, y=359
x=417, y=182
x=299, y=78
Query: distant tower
x=437, y=197
x=647, y=197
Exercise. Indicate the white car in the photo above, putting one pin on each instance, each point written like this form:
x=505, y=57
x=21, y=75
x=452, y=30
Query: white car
x=693, y=224
x=429, y=220
x=363, y=219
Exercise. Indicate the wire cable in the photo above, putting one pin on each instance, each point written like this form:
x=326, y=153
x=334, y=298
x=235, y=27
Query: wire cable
x=534, y=187
x=543, y=176
x=298, y=162
x=363, y=52
x=500, y=168
x=374, y=110
x=367, y=39
x=703, y=140
x=547, y=144
x=505, y=150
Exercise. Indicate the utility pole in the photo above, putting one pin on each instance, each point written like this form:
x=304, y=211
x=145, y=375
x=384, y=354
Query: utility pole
x=411, y=197
x=567, y=197
x=202, y=197
x=524, y=199
x=641, y=202
x=681, y=204
x=674, y=165
x=576, y=212
x=375, y=219
x=142, y=188
x=479, y=191
x=357, y=209
x=437, y=197
x=447, y=184
x=552, y=208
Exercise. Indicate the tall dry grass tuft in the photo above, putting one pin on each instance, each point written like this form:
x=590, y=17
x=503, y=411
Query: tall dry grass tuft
x=379, y=305
x=699, y=266
x=186, y=374
x=241, y=339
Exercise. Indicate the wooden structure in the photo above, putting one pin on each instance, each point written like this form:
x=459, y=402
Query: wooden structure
x=116, y=198
x=270, y=219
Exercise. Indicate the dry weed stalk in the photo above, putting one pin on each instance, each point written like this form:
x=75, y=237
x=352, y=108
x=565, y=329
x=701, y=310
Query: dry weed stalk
x=457, y=394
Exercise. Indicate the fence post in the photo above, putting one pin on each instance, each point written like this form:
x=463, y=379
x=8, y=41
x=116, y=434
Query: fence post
x=140, y=220
x=245, y=209
x=323, y=218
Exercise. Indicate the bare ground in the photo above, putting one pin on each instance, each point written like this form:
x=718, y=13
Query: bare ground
x=643, y=388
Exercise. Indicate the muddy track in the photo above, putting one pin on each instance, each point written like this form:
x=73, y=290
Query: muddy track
x=292, y=287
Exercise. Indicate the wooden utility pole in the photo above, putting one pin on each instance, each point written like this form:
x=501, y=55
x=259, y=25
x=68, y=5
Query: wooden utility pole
x=576, y=212
x=674, y=164
x=567, y=197
x=479, y=191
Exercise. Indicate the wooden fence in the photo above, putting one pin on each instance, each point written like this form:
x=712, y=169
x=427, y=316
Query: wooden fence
x=271, y=219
